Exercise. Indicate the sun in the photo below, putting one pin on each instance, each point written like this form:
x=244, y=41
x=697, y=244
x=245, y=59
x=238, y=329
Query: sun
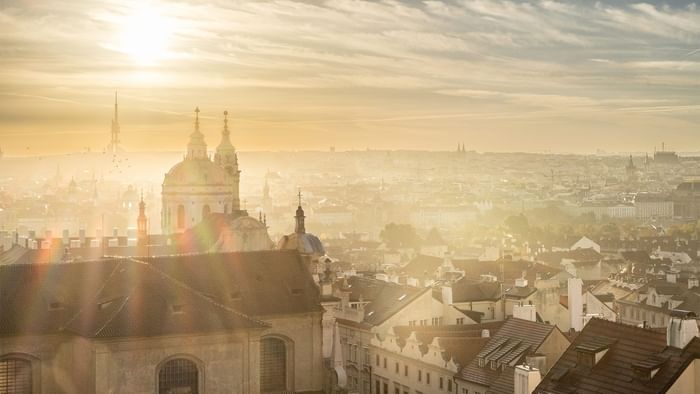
x=145, y=35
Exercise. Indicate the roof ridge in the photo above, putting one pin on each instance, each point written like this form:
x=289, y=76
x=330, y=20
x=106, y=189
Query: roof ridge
x=126, y=299
x=102, y=287
x=199, y=294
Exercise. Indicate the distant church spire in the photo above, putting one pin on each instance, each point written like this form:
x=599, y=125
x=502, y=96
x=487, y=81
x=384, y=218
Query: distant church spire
x=142, y=222
x=300, y=228
x=114, y=140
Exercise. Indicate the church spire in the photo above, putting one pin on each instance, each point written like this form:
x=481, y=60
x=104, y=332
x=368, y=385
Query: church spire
x=196, y=148
x=114, y=140
x=225, y=152
x=142, y=222
x=196, y=119
x=299, y=228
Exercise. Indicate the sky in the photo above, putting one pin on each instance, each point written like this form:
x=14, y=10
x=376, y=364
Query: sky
x=536, y=76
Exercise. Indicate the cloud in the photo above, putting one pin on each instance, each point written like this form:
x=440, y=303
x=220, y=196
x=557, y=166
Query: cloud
x=411, y=59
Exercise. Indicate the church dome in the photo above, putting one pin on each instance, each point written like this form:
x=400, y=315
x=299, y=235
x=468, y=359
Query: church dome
x=194, y=172
x=303, y=242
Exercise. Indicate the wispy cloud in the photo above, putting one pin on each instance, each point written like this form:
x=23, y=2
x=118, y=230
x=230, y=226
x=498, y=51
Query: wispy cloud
x=282, y=60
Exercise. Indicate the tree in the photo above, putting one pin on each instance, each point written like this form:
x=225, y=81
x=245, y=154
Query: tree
x=517, y=224
x=399, y=236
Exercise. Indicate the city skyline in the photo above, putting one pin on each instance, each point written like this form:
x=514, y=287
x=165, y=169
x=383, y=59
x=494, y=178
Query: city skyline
x=499, y=76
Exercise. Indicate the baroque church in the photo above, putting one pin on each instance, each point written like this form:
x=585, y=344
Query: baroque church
x=201, y=200
x=232, y=314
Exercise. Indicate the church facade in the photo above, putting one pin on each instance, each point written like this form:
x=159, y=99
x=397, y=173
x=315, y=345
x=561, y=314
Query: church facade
x=198, y=186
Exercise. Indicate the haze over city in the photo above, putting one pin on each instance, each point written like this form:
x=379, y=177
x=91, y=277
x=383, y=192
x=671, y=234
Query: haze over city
x=499, y=75
x=349, y=197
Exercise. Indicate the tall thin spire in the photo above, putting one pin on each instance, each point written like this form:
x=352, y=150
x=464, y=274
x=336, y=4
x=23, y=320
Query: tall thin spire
x=114, y=140
x=299, y=228
x=142, y=222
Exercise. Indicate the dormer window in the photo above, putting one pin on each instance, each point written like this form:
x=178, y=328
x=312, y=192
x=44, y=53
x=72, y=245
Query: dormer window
x=590, y=353
x=104, y=304
x=647, y=369
x=177, y=309
x=482, y=362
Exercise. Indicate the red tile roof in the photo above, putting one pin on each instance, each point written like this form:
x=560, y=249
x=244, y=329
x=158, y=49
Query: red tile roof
x=628, y=346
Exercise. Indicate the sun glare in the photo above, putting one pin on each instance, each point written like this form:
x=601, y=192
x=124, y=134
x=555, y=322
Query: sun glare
x=145, y=36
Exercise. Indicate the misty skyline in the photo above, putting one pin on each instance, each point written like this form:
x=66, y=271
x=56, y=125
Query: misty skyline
x=498, y=76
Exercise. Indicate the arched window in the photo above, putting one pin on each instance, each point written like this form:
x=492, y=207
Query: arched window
x=178, y=376
x=205, y=211
x=180, y=216
x=273, y=365
x=15, y=376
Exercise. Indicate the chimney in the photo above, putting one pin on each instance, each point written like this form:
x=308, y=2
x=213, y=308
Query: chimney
x=526, y=379
x=682, y=328
x=447, y=295
x=521, y=282
x=575, y=303
x=485, y=333
x=525, y=312
x=413, y=282
x=326, y=288
x=672, y=276
x=693, y=282
x=538, y=361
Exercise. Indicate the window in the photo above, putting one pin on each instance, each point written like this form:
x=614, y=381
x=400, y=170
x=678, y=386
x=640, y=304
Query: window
x=273, y=365
x=442, y=385
x=386, y=388
x=427, y=378
x=397, y=368
x=384, y=362
x=180, y=216
x=460, y=320
x=205, y=211
x=449, y=385
x=365, y=350
x=424, y=322
x=377, y=356
x=15, y=376
x=178, y=375
x=420, y=375
x=405, y=370
x=377, y=387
